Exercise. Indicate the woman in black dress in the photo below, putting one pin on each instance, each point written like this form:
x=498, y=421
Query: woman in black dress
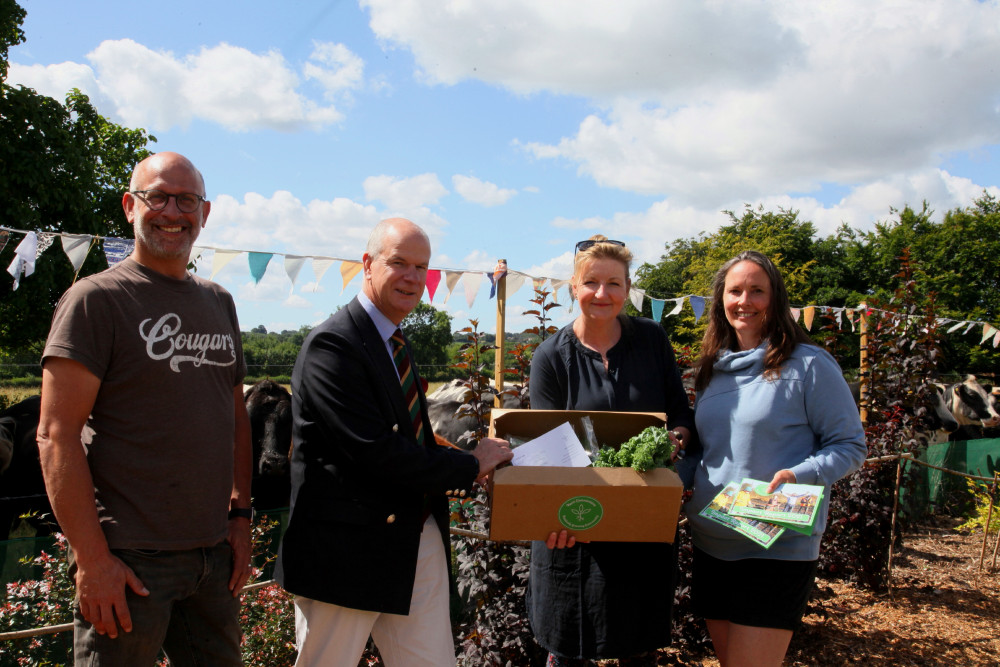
x=605, y=599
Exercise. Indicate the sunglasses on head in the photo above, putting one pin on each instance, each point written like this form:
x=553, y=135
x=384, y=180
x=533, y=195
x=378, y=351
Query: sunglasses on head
x=590, y=243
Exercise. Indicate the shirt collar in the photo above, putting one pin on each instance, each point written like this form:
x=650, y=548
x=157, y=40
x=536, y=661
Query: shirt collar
x=383, y=324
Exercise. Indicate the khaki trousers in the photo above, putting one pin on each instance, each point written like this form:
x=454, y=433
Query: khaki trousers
x=329, y=635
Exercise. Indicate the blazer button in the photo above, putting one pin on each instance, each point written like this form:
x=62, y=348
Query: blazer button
x=391, y=518
x=395, y=428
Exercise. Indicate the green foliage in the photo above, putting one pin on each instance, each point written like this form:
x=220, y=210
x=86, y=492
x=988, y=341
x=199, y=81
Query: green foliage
x=955, y=263
x=985, y=496
x=649, y=449
x=429, y=332
x=903, y=347
x=272, y=355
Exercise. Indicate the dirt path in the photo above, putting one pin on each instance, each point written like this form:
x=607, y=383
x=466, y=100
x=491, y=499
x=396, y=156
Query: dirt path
x=941, y=611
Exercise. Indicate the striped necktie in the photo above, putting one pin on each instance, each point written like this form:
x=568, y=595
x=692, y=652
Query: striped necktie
x=407, y=381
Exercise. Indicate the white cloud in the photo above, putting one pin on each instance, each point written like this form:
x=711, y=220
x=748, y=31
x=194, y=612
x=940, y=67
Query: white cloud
x=404, y=194
x=229, y=85
x=481, y=192
x=712, y=102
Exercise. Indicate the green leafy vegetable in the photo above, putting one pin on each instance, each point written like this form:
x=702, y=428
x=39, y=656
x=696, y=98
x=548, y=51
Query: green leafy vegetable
x=649, y=449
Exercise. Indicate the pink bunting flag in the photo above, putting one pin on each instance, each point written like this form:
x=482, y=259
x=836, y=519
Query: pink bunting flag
x=433, y=280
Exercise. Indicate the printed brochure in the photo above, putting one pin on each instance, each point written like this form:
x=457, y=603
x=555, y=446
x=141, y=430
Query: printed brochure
x=718, y=510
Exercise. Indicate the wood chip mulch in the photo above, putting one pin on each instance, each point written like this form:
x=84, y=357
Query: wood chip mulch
x=941, y=610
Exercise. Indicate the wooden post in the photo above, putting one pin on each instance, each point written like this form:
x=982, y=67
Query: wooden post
x=986, y=528
x=895, y=511
x=501, y=317
x=863, y=371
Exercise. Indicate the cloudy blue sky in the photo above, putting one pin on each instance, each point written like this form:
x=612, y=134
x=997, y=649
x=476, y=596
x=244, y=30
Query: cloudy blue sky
x=513, y=129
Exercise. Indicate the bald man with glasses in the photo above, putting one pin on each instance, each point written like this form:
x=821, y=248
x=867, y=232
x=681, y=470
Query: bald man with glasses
x=157, y=508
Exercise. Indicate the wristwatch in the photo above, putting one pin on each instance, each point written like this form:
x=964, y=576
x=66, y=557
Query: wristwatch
x=241, y=513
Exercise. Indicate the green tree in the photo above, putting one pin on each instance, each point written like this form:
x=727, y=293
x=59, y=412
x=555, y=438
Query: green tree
x=429, y=331
x=63, y=168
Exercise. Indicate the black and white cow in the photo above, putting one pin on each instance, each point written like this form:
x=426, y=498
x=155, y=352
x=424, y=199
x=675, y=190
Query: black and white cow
x=935, y=417
x=973, y=407
x=269, y=406
x=444, y=403
x=22, y=488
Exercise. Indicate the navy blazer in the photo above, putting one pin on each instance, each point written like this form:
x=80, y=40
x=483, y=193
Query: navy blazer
x=359, y=477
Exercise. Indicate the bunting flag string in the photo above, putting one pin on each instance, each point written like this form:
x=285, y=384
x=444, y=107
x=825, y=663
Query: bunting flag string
x=77, y=247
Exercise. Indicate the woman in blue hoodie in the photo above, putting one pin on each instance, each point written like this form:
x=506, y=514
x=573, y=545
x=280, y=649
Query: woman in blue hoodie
x=772, y=406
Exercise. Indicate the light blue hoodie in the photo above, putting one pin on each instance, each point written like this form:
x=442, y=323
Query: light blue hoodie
x=805, y=420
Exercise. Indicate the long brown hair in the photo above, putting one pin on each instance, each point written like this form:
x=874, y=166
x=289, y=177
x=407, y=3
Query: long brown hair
x=780, y=331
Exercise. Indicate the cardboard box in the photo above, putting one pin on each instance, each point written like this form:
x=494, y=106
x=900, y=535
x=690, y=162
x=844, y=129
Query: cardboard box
x=594, y=504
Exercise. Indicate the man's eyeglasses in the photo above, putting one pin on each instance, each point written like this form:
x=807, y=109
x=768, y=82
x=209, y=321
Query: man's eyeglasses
x=590, y=243
x=187, y=202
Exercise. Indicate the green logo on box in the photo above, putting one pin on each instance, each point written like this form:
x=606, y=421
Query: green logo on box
x=580, y=513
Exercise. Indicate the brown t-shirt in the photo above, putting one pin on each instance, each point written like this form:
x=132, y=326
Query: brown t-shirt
x=168, y=353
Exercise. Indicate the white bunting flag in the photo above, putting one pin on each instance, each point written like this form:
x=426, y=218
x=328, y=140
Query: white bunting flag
x=24, y=258
x=320, y=267
x=76, y=247
x=678, y=304
x=221, y=258
x=293, y=264
x=636, y=296
x=471, y=279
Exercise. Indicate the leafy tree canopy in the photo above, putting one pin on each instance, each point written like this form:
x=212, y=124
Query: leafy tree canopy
x=429, y=331
x=63, y=168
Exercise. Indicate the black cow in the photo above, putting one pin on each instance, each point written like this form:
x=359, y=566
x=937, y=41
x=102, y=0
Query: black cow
x=973, y=407
x=443, y=406
x=22, y=488
x=269, y=406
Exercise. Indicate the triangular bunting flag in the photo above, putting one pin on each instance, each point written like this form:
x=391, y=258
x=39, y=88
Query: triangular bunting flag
x=968, y=328
x=698, y=306
x=795, y=314
x=115, y=250
x=472, y=279
x=657, y=308
x=433, y=280
x=221, y=258
x=539, y=283
x=320, y=267
x=196, y=253
x=996, y=341
x=76, y=247
x=839, y=312
x=636, y=296
x=293, y=265
x=4, y=234
x=678, y=304
x=955, y=327
x=451, y=279
x=24, y=258
x=988, y=332
x=348, y=270
x=808, y=313
x=258, y=262
x=514, y=282
x=45, y=241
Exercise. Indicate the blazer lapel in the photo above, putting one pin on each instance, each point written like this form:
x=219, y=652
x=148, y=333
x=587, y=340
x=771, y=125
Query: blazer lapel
x=376, y=350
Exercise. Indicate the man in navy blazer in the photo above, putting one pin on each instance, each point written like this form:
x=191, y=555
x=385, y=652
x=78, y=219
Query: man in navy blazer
x=367, y=548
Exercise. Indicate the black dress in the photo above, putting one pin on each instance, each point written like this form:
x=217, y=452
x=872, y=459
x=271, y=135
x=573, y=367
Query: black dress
x=606, y=599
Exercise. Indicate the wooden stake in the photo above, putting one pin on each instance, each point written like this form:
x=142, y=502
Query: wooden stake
x=895, y=510
x=500, y=340
x=986, y=530
x=863, y=370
